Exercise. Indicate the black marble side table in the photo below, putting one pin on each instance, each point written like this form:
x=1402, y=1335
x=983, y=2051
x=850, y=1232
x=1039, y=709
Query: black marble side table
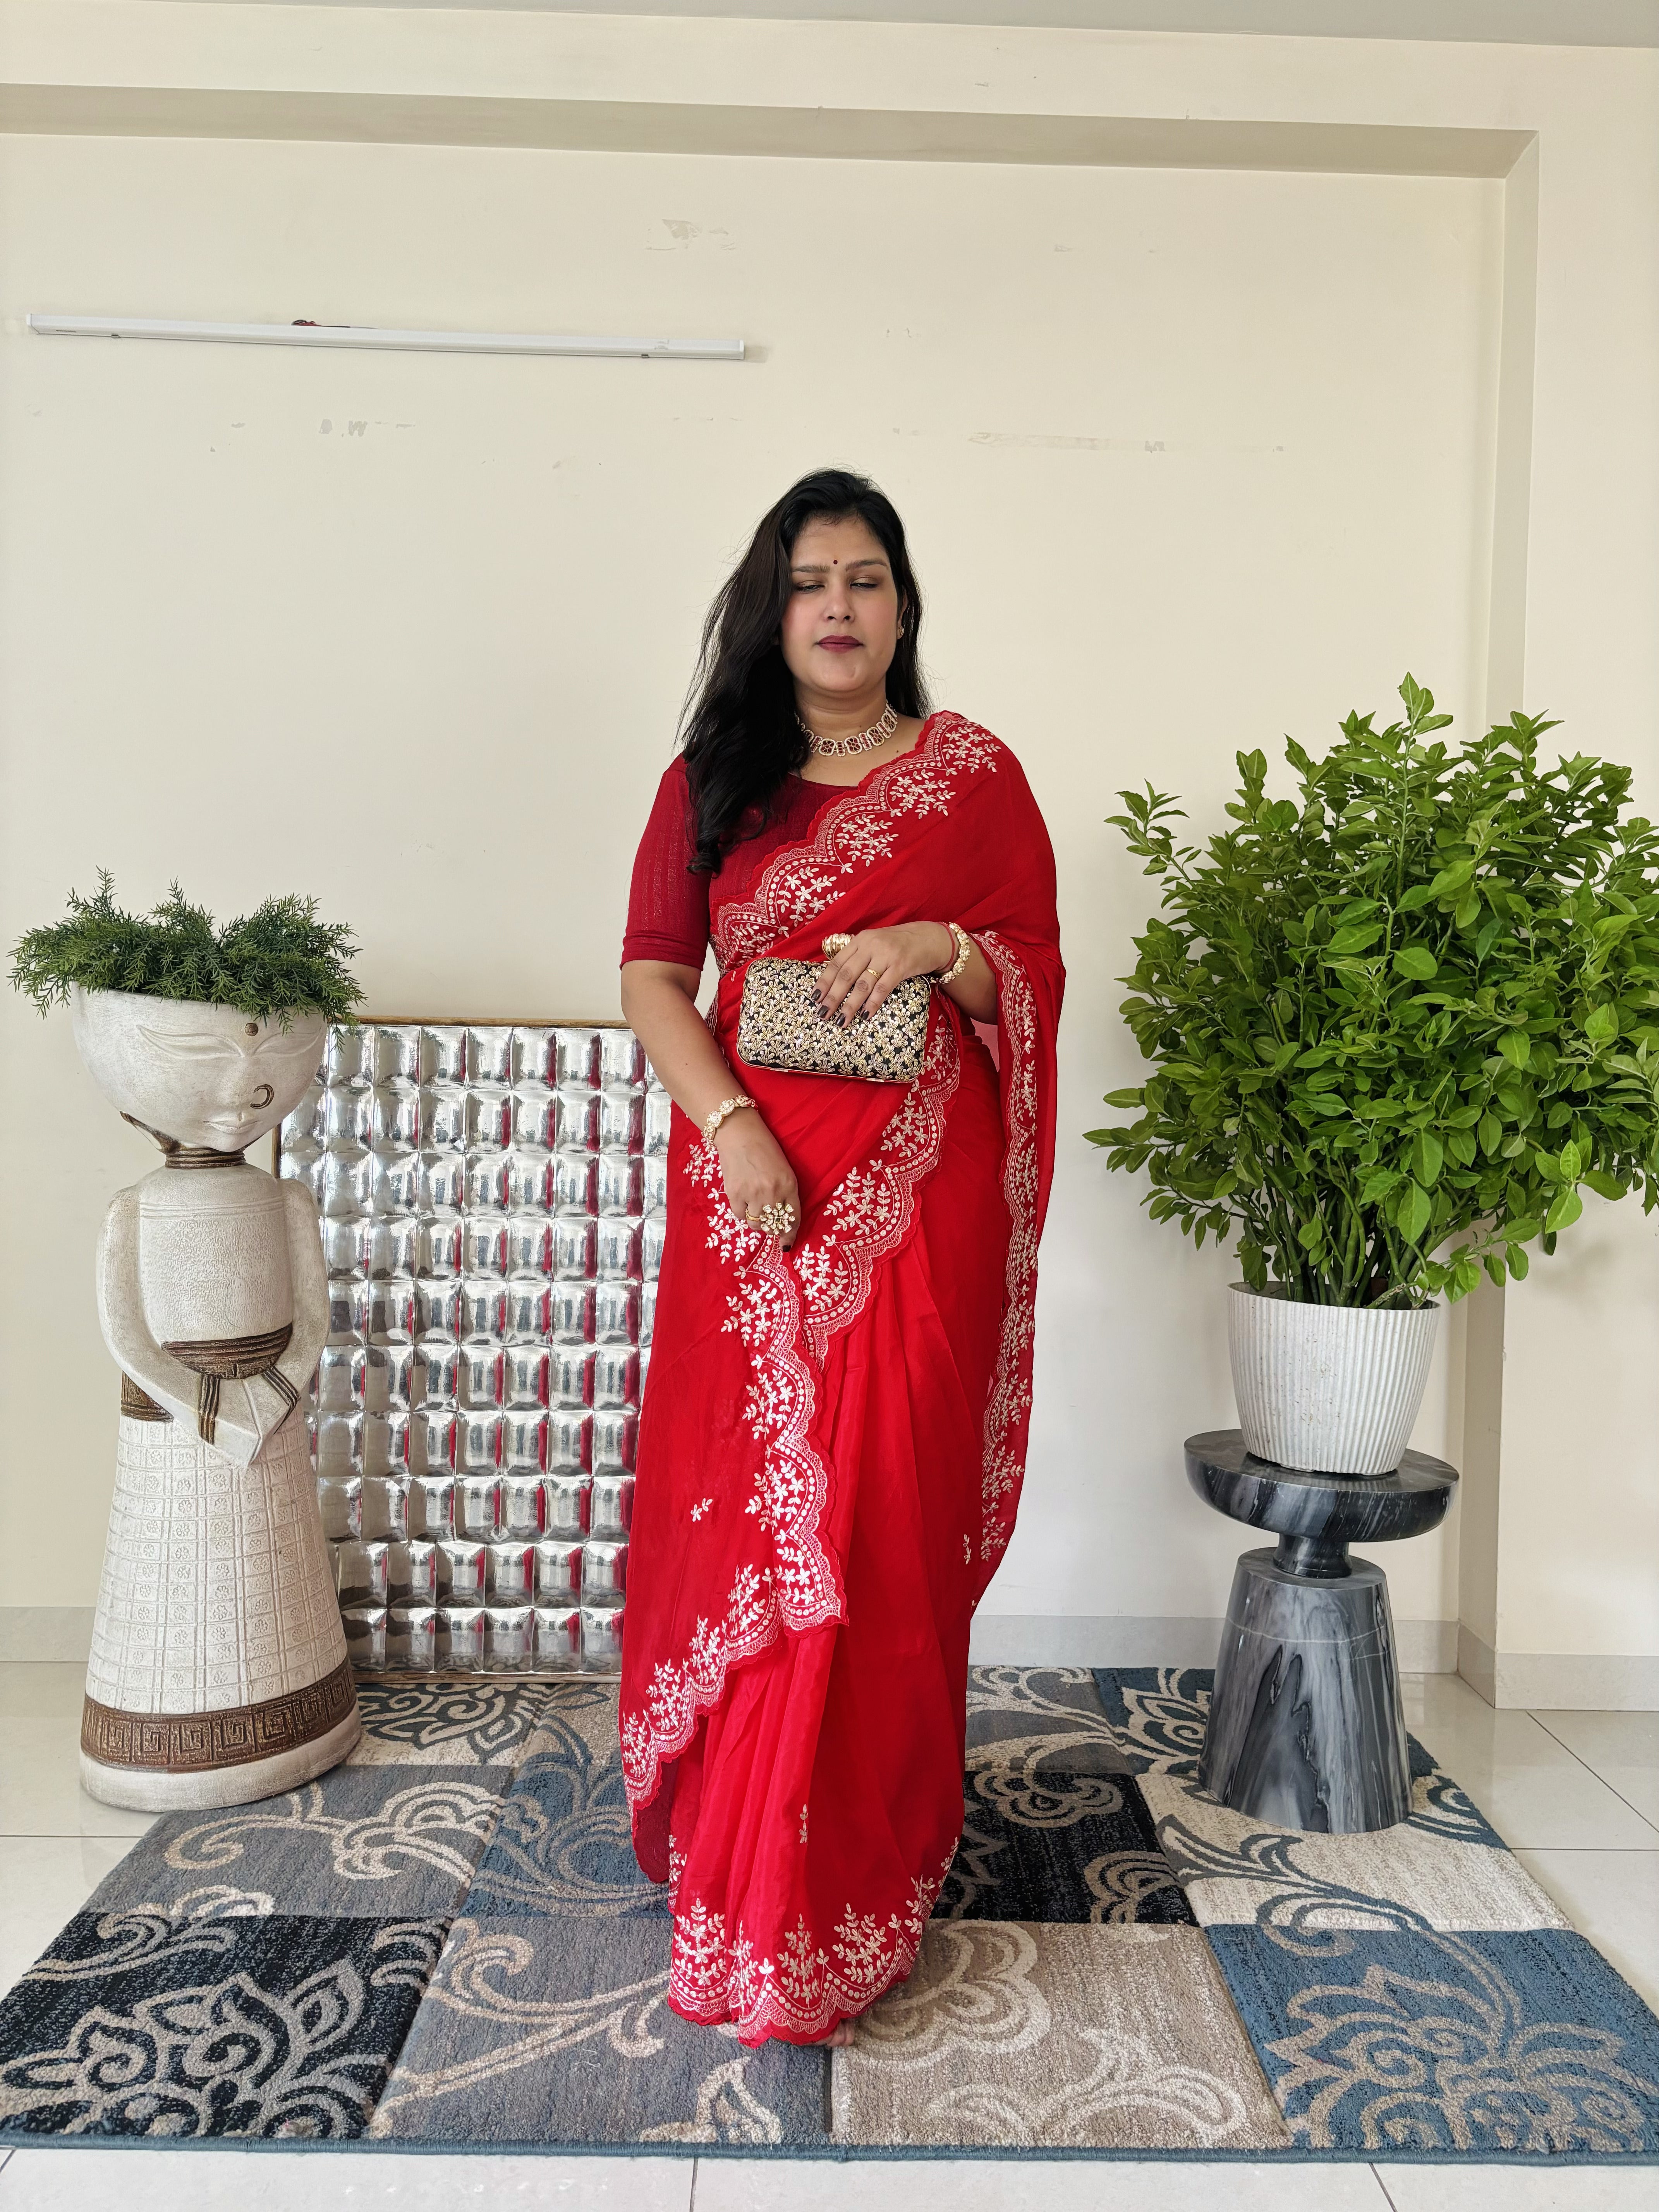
x=1306, y=1729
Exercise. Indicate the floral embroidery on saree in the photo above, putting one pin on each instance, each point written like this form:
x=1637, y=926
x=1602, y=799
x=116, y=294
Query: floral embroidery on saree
x=804, y=1989
x=869, y=1211
x=680, y=1692
x=855, y=832
x=1008, y=1406
x=798, y=1588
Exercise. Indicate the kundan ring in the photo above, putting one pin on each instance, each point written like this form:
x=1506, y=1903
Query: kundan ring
x=777, y=1220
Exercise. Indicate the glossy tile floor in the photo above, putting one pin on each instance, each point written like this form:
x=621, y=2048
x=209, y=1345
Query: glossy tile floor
x=1575, y=1795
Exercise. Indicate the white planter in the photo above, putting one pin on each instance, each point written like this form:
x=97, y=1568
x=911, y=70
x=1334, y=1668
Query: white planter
x=1334, y=1387
x=208, y=1075
x=218, y=1671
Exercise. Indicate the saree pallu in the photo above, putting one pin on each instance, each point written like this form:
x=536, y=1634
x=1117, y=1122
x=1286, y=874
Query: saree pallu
x=832, y=1440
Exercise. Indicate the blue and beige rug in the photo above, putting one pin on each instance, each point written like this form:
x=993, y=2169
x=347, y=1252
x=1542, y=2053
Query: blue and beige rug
x=446, y=1944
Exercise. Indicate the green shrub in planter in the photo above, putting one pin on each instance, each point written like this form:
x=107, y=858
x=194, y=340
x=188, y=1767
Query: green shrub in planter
x=276, y=962
x=1398, y=1022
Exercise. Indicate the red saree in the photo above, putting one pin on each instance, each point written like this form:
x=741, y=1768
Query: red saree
x=832, y=1439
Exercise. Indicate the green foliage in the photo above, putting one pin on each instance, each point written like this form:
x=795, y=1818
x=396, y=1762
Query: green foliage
x=279, y=961
x=1399, y=1022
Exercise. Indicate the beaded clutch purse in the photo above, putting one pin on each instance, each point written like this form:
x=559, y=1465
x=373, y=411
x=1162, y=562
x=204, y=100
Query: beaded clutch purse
x=779, y=1026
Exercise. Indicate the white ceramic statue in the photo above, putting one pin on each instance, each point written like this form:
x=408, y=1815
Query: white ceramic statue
x=219, y=1670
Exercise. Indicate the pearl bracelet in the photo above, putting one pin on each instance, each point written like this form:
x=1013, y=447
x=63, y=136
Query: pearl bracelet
x=712, y=1122
x=964, y=946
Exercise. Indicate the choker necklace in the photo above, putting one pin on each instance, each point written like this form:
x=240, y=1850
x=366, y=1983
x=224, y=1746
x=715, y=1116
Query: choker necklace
x=860, y=742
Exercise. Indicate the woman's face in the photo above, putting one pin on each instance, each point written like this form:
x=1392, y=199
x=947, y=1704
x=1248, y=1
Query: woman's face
x=841, y=625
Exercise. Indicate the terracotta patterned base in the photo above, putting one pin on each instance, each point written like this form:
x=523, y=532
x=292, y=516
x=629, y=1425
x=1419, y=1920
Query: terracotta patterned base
x=197, y=1743
x=153, y=1789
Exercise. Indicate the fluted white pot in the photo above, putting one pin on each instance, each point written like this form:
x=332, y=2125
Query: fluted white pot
x=1334, y=1387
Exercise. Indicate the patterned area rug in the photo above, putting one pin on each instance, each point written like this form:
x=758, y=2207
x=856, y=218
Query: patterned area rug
x=446, y=1944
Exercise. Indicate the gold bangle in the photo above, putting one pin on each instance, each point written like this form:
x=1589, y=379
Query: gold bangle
x=712, y=1122
x=964, y=946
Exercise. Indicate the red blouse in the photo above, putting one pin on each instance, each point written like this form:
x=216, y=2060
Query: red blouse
x=667, y=904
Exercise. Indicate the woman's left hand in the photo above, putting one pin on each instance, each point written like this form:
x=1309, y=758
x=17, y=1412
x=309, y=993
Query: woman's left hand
x=855, y=980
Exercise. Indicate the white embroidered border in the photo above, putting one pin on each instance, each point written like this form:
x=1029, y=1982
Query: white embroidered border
x=799, y=880
x=1010, y=1402
x=790, y=1488
x=807, y=1989
x=868, y=1215
x=679, y=1694
x=872, y=1207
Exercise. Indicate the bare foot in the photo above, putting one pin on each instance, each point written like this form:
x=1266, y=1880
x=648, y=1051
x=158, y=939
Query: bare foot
x=839, y=2038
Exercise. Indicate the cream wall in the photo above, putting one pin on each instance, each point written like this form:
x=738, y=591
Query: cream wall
x=1190, y=459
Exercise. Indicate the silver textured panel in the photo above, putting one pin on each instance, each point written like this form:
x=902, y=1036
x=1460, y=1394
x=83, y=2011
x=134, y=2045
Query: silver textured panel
x=411, y=1637
x=493, y=1209
x=559, y=1637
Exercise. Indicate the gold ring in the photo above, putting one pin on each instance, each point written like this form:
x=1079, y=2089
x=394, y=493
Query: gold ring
x=780, y=1219
x=872, y=971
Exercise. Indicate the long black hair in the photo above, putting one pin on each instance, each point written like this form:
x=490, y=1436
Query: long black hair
x=741, y=737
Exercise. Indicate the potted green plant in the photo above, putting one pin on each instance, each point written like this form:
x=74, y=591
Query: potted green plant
x=218, y=1671
x=274, y=964
x=1397, y=1022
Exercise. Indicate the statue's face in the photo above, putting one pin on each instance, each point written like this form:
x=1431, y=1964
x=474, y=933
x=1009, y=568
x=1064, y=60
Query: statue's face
x=205, y=1075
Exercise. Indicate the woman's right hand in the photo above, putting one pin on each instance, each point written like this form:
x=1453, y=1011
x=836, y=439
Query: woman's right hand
x=754, y=1170
x=660, y=1003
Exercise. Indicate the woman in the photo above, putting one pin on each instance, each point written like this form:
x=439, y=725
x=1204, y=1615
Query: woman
x=833, y=1436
